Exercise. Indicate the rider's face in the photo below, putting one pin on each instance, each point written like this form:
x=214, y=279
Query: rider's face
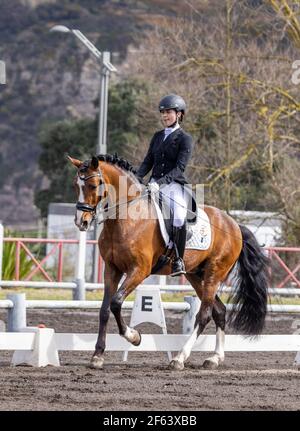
x=168, y=117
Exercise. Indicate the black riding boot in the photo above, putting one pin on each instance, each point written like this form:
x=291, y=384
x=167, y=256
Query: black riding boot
x=179, y=239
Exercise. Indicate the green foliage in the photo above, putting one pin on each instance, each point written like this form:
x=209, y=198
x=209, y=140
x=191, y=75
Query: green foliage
x=78, y=139
x=123, y=116
x=9, y=260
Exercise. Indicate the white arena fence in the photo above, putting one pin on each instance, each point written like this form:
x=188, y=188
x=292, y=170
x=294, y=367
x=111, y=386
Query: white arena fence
x=17, y=305
x=163, y=287
x=40, y=346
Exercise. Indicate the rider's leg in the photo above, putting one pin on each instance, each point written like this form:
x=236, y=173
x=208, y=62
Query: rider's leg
x=179, y=229
x=179, y=239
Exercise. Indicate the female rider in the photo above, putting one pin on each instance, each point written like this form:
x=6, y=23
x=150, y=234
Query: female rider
x=168, y=154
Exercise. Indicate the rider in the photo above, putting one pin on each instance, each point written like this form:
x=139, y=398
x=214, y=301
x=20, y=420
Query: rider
x=168, y=154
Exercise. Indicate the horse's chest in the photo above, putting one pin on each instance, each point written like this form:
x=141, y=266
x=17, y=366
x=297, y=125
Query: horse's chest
x=114, y=247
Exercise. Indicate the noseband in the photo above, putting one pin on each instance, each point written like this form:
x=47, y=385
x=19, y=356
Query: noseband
x=82, y=206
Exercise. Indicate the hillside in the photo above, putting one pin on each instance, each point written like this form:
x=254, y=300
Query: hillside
x=50, y=76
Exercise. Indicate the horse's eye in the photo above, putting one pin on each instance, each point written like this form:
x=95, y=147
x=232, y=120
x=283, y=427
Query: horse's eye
x=92, y=187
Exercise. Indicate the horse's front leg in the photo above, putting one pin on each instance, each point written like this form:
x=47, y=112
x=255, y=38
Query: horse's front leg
x=112, y=276
x=132, y=280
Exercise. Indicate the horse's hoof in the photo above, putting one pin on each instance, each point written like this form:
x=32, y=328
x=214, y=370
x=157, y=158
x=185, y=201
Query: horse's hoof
x=176, y=365
x=138, y=340
x=210, y=365
x=96, y=363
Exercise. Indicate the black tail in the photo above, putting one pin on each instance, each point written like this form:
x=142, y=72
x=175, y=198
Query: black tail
x=250, y=294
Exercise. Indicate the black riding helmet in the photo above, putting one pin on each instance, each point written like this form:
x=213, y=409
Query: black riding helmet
x=172, y=101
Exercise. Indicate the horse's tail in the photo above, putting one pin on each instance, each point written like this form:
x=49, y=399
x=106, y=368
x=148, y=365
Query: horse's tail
x=250, y=294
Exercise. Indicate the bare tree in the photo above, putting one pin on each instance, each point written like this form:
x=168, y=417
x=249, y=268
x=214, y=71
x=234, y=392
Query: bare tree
x=233, y=66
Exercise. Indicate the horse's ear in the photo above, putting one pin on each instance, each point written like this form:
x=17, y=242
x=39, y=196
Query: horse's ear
x=75, y=162
x=94, y=162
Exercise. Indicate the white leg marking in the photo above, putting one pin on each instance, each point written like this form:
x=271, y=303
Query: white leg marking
x=130, y=334
x=219, y=354
x=187, y=348
x=80, y=184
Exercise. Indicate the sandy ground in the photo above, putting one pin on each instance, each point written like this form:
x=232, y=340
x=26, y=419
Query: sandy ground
x=246, y=381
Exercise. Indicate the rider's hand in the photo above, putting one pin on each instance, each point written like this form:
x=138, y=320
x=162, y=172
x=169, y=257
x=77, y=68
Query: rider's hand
x=153, y=187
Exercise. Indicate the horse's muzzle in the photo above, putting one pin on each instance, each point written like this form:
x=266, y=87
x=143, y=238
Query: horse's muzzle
x=84, y=224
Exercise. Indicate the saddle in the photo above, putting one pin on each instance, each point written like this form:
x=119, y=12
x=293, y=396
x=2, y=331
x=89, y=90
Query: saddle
x=198, y=230
x=168, y=217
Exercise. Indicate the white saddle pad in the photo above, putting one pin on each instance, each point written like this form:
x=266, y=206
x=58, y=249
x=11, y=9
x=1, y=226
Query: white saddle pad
x=201, y=230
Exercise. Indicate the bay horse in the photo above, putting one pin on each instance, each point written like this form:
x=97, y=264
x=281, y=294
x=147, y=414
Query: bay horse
x=131, y=245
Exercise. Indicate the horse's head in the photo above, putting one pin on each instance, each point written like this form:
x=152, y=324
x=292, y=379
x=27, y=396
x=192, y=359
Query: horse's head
x=90, y=188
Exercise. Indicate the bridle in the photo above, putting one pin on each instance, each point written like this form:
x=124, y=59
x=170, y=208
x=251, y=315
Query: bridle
x=82, y=206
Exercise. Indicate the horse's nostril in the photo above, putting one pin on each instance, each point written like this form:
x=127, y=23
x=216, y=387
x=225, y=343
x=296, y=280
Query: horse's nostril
x=84, y=225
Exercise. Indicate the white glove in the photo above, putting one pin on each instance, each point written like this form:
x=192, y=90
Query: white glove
x=153, y=187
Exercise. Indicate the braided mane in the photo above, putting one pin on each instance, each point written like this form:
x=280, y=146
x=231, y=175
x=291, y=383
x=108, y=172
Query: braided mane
x=119, y=161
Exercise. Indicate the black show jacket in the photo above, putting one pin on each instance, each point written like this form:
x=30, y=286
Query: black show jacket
x=167, y=158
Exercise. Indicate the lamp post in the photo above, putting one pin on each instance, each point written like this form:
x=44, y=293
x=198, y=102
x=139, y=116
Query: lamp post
x=106, y=68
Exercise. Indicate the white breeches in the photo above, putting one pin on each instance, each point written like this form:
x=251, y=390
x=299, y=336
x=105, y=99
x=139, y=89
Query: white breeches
x=175, y=197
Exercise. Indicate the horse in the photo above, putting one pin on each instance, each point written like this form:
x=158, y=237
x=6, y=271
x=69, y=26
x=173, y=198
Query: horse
x=131, y=244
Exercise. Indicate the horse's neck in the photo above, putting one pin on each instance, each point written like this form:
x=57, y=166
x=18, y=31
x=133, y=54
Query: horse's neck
x=129, y=189
x=122, y=186
x=127, y=208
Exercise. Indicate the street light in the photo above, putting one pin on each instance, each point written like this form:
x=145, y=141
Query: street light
x=106, y=68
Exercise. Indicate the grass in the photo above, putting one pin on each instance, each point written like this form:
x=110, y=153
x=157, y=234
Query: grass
x=97, y=295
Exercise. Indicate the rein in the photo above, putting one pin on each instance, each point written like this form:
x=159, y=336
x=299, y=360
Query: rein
x=118, y=205
x=138, y=198
x=82, y=206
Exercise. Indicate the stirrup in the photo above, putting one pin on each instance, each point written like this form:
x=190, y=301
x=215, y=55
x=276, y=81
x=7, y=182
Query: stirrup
x=178, y=268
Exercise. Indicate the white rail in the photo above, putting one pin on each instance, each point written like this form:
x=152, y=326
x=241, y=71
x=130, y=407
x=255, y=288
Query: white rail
x=52, y=304
x=164, y=288
x=40, y=346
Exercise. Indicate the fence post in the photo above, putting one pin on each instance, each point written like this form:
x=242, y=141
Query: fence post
x=190, y=315
x=1, y=249
x=79, y=291
x=17, y=315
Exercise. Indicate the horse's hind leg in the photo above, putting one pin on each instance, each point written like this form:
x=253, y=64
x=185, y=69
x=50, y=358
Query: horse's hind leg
x=132, y=280
x=178, y=361
x=112, y=276
x=218, y=314
x=206, y=290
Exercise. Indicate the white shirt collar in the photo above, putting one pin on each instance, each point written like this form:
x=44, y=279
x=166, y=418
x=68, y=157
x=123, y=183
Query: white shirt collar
x=169, y=130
